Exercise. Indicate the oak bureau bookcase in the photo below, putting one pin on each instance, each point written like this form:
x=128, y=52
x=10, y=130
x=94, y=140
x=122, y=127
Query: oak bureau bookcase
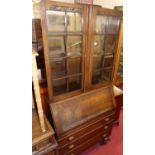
x=81, y=44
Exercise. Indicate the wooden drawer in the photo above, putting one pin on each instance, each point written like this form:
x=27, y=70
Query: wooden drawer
x=86, y=129
x=105, y=130
x=46, y=147
x=86, y=144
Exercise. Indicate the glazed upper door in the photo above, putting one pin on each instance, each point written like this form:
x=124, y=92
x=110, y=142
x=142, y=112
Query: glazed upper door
x=64, y=39
x=105, y=28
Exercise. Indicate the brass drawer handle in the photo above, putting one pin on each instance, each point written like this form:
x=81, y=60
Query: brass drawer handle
x=71, y=138
x=71, y=146
x=105, y=135
x=106, y=127
x=107, y=138
x=107, y=119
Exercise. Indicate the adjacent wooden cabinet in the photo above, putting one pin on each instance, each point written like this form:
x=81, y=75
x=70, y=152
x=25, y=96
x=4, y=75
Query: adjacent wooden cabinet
x=81, y=44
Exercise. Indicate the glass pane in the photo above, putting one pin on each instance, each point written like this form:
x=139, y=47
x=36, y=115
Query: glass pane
x=74, y=83
x=101, y=76
x=108, y=61
x=74, y=45
x=107, y=24
x=97, y=63
x=104, y=44
x=110, y=41
x=106, y=74
x=113, y=25
x=55, y=21
x=74, y=65
x=56, y=47
x=99, y=44
x=101, y=23
x=58, y=69
x=96, y=77
x=74, y=22
x=120, y=69
x=59, y=86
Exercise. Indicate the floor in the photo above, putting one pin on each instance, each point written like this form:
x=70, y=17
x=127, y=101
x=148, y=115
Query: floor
x=114, y=146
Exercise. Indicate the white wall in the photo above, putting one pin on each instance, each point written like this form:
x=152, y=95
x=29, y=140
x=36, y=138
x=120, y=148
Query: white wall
x=109, y=3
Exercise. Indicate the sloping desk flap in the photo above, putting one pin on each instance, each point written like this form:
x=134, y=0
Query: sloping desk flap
x=74, y=111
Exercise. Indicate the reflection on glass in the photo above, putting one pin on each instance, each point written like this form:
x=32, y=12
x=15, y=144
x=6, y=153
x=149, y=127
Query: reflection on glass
x=113, y=25
x=74, y=22
x=74, y=45
x=56, y=47
x=120, y=69
x=99, y=44
x=55, y=21
x=106, y=74
x=97, y=64
x=108, y=61
x=104, y=44
x=110, y=41
x=101, y=76
x=74, y=83
x=103, y=58
x=101, y=23
x=65, y=50
x=59, y=87
x=107, y=24
x=58, y=69
x=74, y=65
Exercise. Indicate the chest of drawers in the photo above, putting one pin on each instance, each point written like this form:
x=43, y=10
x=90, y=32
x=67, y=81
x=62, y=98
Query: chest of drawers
x=83, y=121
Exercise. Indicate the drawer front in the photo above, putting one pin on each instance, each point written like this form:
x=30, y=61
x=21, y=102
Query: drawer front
x=86, y=144
x=84, y=130
x=46, y=147
x=40, y=145
x=104, y=130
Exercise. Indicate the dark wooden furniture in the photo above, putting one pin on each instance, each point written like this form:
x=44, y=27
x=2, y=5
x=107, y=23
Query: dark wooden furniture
x=119, y=103
x=81, y=44
x=83, y=120
x=42, y=143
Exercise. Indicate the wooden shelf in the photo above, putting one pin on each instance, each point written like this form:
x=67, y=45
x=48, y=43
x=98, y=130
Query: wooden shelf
x=64, y=33
x=67, y=76
x=101, y=69
x=65, y=57
x=105, y=33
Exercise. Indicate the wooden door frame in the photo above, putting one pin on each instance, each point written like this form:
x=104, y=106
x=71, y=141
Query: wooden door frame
x=94, y=10
x=44, y=5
